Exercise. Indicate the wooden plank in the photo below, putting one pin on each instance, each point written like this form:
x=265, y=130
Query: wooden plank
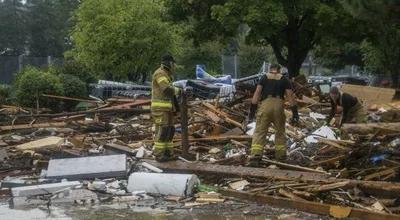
x=368, y=94
x=381, y=173
x=293, y=167
x=333, y=144
x=328, y=161
x=341, y=142
x=306, y=206
x=222, y=114
x=369, y=128
x=222, y=170
x=48, y=142
x=219, y=138
x=381, y=188
x=290, y=195
x=71, y=99
x=26, y=126
x=214, y=117
x=328, y=187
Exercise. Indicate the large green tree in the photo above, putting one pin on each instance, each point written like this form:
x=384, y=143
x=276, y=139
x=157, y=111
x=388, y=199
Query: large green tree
x=48, y=24
x=12, y=27
x=122, y=39
x=382, y=45
x=291, y=27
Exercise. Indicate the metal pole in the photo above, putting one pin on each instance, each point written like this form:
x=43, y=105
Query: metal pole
x=184, y=125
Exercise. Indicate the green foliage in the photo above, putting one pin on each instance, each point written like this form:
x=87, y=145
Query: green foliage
x=48, y=24
x=122, y=40
x=12, y=27
x=208, y=53
x=336, y=55
x=5, y=92
x=381, y=47
x=292, y=28
x=40, y=26
x=252, y=57
x=31, y=83
x=73, y=87
x=72, y=67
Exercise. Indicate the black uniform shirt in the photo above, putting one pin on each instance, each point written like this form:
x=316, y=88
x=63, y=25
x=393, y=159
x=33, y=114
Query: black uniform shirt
x=274, y=87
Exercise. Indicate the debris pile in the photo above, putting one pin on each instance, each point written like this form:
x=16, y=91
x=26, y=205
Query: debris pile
x=104, y=153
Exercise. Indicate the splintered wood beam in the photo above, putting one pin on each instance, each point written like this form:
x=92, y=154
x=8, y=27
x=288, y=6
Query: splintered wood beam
x=370, y=128
x=306, y=206
x=72, y=99
x=26, y=126
x=329, y=161
x=219, y=138
x=223, y=170
x=333, y=144
x=293, y=167
x=380, y=188
x=223, y=115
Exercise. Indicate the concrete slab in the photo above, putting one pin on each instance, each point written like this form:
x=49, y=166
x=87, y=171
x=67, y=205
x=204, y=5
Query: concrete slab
x=88, y=167
x=43, y=188
x=163, y=183
x=70, y=197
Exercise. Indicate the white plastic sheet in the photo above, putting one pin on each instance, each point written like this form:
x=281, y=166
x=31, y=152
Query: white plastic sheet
x=324, y=132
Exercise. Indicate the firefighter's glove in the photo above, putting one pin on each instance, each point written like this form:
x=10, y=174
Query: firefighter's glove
x=295, y=115
x=252, y=113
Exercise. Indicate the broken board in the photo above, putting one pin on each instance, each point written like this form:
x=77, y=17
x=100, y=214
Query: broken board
x=41, y=143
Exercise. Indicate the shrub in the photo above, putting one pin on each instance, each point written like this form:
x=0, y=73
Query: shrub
x=5, y=92
x=74, y=88
x=31, y=83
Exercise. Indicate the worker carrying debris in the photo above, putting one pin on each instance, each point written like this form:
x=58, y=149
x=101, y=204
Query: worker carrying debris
x=163, y=108
x=271, y=90
x=352, y=109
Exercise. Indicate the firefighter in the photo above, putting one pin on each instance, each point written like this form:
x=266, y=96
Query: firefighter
x=270, y=92
x=352, y=109
x=163, y=108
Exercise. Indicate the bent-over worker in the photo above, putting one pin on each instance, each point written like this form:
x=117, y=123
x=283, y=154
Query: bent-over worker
x=270, y=92
x=352, y=109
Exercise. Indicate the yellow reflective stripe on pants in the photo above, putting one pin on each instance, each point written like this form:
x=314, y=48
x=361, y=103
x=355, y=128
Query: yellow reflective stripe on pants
x=256, y=149
x=161, y=79
x=161, y=104
x=170, y=145
x=160, y=145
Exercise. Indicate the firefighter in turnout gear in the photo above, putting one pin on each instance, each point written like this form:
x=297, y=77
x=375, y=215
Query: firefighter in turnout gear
x=270, y=92
x=163, y=107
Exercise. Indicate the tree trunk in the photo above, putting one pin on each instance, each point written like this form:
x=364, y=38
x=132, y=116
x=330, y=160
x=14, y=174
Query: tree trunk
x=294, y=66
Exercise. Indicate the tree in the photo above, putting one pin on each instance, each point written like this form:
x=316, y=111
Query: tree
x=382, y=46
x=72, y=87
x=31, y=83
x=12, y=27
x=49, y=22
x=292, y=28
x=122, y=39
x=252, y=57
x=207, y=53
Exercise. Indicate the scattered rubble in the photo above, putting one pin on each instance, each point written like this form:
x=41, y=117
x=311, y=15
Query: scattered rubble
x=107, y=152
